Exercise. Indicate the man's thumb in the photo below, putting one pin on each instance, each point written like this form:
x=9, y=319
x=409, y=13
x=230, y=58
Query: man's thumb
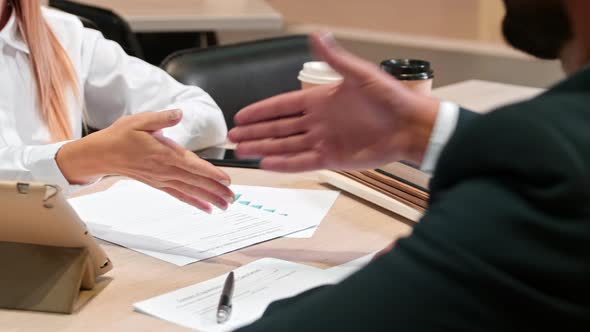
x=153, y=121
x=348, y=65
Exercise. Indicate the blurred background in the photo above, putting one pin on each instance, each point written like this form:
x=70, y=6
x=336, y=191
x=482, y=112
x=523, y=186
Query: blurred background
x=461, y=38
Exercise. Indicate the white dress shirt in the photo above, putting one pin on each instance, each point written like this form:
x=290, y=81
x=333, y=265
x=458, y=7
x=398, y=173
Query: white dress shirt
x=444, y=127
x=110, y=83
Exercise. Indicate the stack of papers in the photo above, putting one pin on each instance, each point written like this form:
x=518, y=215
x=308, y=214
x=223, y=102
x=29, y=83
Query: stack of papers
x=257, y=285
x=150, y=221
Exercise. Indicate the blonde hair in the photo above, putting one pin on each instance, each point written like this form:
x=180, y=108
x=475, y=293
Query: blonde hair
x=51, y=67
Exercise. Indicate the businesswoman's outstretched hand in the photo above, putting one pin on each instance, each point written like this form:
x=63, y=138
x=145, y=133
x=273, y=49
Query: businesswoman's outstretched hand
x=135, y=147
x=367, y=120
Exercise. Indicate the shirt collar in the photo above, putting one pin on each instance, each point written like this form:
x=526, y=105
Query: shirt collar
x=12, y=36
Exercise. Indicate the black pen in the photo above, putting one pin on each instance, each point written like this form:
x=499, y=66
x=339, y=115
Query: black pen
x=224, y=307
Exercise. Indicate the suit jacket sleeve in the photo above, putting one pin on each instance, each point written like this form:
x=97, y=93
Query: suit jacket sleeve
x=465, y=116
x=500, y=248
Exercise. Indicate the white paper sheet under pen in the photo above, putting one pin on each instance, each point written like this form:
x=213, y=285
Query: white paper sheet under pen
x=145, y=219
x=257, y=285
x=297, y=203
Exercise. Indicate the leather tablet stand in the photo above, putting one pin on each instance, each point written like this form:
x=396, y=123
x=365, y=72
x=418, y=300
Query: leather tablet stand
x=46, y=253
x=42, y=278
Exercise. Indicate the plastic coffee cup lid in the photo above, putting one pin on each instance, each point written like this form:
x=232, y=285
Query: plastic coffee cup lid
x=408, y=69
x=318, y=72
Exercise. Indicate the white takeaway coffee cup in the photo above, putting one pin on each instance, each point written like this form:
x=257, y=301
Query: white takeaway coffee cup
x=316, y=73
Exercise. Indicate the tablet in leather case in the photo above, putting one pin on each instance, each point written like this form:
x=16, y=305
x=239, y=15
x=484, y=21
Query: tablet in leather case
x=46, y=253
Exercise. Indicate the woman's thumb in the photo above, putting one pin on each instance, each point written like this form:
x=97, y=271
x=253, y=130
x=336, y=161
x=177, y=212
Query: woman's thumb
x=153, y=121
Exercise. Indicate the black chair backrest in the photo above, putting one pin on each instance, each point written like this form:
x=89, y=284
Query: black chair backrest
x=111, y=25
x=88, y=23
x=241, y=74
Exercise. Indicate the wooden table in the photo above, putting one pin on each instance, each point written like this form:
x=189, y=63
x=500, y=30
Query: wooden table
x=351, y=229
x=194, y=15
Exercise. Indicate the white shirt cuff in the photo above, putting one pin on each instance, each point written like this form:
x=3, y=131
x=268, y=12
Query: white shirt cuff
x=444, y=127
x=40, y=160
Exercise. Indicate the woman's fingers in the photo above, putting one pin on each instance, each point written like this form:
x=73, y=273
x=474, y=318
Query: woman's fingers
x=194, y=190
x=176, y=155
x=177, y=148
x=198, y=193
x=196, y=202
x=150, y=157
x=184, y=197
x=197, y=180
x=191, y=163
x=153, y=121
x=176, y=174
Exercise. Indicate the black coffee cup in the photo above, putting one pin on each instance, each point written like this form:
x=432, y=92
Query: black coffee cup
x=415, y=74
x=408, y=69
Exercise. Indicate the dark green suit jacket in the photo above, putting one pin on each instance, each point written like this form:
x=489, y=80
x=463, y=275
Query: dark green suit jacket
x=504, y=246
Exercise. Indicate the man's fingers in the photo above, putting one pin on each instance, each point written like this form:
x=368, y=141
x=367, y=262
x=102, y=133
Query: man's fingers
x=281, y=146
x=268, y=129
x=196, y=202
x=300, y=162
x=348, y=65
x=280, y=106
x=153, y=121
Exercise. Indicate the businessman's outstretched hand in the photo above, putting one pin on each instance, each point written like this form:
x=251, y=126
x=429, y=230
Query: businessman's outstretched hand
x=367, y=120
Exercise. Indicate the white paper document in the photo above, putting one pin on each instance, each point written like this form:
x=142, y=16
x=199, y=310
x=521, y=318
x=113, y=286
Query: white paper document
x=256, y=285
x=296, y=203
x=150, y=221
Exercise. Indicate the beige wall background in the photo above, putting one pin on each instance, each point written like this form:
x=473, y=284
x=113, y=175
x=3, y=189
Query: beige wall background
x=463, y=19
x=462, y=38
